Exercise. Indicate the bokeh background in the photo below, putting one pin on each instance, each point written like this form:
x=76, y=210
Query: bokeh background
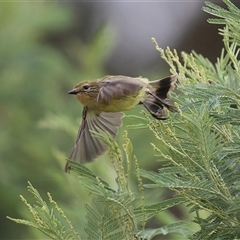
x=48, y=47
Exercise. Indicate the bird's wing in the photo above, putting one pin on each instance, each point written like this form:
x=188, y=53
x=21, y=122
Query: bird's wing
x=88, y=147
x=155, y=107
x=119, y=86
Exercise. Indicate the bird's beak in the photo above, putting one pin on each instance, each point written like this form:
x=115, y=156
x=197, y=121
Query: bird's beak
x=73, y=91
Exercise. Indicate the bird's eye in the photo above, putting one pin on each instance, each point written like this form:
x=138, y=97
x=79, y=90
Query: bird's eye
x=85, y=87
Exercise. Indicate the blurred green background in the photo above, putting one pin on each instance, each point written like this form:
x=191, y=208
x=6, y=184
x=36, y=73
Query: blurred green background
x=42, y=56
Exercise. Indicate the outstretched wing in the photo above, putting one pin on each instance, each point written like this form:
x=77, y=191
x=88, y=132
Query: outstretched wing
x=155, y=108
x=119, y=86
x=88, y=147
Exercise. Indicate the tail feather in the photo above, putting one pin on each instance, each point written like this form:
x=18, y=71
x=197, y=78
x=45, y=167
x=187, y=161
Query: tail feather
x=163, y=86
x=159, y=96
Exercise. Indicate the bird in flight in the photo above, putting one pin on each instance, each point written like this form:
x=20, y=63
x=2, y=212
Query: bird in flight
x=104, y=101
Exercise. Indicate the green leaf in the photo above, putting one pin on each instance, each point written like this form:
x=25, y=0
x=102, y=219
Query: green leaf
x=44, y=218
x=179, y=227
x=151, y=210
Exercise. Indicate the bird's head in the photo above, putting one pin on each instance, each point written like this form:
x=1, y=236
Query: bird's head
x=86, y=91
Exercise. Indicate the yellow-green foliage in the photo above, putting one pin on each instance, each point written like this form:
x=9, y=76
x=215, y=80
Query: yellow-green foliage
x=197, y=149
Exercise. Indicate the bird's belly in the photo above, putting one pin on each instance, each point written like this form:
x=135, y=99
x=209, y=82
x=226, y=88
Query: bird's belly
x=117, y=105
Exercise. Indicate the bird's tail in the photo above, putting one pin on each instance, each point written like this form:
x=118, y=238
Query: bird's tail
x=159, y=96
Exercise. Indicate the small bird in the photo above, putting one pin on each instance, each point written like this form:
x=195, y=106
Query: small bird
x=104, y=100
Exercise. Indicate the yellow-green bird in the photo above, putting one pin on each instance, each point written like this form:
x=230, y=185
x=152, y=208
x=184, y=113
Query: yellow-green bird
x=105, y=98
